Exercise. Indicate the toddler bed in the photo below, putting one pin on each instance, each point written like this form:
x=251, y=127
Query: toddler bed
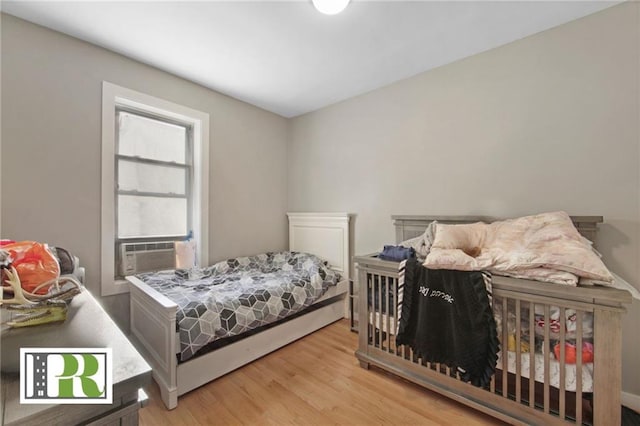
x=538, y=325
x=196, y=328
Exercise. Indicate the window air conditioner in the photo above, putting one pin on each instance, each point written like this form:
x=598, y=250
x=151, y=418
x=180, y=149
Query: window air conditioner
x=147, y=257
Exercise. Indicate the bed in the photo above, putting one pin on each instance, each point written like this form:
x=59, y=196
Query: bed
x=530, y=385
x=181, y=361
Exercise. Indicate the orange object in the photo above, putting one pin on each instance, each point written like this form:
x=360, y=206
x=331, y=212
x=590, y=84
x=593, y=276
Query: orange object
x=570, y=352
x=34, y=263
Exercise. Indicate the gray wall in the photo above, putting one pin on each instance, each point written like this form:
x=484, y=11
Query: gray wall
x=51, y=138
x=549, y=122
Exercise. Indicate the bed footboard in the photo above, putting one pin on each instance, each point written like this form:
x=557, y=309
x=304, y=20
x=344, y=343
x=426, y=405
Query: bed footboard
x=153, y=328
x=542, y=377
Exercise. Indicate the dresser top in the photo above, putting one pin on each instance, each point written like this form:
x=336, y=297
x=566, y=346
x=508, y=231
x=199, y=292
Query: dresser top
x=87, y=326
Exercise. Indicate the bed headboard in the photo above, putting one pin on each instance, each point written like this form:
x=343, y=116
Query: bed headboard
x=412, y=226
x=324, y=234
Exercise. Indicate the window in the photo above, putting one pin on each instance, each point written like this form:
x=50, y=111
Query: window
x=153, y=173
x=153, y=170
x=154, y=177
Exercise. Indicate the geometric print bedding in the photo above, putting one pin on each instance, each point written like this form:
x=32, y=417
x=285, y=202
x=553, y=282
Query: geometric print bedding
x=238, y=295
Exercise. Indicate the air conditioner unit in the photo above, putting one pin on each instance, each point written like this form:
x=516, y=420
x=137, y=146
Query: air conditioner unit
x=147, y=257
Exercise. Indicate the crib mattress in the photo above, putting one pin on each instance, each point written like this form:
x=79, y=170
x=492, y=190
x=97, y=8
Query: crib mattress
x=380, y=320
x=554, y=371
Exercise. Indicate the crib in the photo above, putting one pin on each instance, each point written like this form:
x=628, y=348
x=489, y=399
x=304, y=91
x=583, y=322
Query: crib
x=531, y=385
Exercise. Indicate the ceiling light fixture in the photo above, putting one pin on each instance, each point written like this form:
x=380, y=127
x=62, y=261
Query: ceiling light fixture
x=330, y=7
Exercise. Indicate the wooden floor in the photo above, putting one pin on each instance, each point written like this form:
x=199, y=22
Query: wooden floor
x=315, y=380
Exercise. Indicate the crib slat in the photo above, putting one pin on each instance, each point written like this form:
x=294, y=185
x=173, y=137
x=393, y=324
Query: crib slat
x=379, y=313
x=389, y=285
x=381, y=298
x=562, y=362
x=371, y=311
x=532, y=354
x=547, y=355
x=370, y=314
x=505, y=346
x=374, y=322
x=518, y=354
x=394, y=310
x=405, y=350
x=384, y=282
x=579, y=367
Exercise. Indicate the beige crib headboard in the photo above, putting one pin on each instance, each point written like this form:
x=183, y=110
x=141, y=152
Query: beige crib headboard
x=412, y=226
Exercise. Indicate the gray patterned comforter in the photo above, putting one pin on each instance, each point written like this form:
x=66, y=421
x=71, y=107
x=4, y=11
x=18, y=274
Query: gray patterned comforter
x=238, y=295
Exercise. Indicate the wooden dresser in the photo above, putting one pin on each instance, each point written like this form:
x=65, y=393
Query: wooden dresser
x=87, y=326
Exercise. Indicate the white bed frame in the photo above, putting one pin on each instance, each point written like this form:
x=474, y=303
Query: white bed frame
x=153, y=316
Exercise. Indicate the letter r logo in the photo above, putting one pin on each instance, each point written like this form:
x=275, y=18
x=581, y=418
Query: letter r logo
x=89, y=386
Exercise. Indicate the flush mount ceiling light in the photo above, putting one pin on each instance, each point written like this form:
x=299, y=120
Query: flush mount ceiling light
x=330, y=7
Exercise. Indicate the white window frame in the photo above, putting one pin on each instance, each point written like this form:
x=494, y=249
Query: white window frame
x=187, y=167
x=112, y=97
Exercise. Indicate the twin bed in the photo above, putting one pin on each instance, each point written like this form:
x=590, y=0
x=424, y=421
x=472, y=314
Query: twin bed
x=194, y=329
x=540, y=378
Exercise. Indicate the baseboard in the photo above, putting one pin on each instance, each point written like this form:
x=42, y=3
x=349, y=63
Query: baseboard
x=631, y=400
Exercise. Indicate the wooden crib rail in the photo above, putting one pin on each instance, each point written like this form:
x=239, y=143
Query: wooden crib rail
x=602, y=297
x=523, y=390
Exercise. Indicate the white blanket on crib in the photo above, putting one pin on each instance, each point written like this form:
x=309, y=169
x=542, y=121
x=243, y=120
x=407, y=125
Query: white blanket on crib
x=529, y=245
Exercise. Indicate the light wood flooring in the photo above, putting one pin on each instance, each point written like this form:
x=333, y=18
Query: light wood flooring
x=315, y=380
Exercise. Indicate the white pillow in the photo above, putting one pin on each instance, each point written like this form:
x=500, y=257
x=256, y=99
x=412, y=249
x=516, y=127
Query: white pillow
x=470, y=238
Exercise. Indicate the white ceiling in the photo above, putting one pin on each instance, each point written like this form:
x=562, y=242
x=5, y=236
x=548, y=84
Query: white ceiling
x=286, y=57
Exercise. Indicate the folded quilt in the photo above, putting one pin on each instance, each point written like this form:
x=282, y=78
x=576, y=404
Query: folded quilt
x=535, y=244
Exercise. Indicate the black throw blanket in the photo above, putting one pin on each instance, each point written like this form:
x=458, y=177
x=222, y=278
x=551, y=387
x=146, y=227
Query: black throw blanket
x=446, y=317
